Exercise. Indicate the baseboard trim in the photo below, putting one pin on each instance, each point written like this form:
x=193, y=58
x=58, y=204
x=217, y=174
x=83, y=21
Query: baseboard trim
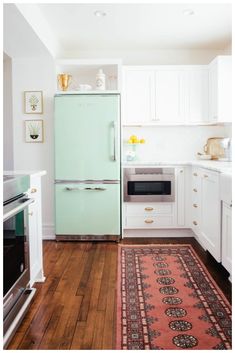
x=48, y=232
x=68, y=237
x=158, y=233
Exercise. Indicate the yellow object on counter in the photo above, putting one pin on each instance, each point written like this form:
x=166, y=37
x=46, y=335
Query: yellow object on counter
x=134, y=139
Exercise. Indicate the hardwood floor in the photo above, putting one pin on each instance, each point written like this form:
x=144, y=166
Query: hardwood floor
x=75, y=308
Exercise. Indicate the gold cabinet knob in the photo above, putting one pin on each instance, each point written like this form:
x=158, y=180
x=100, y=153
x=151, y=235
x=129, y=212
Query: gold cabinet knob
x=148, y=208
x=195, y=223
x=205, y=176
x=181, y=171
x=30, y=213
x=195, y=190
x=33, y=190
x=148, y=221
x=195, y=174
x=195, y=205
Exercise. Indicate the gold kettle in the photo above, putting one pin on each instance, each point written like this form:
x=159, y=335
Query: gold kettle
x=64, y=81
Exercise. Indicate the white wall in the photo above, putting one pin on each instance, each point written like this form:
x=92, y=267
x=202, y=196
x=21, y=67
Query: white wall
x=177, y=143
x=8, y=158
x=154, y=57
x=35, y=74
x=228, y=50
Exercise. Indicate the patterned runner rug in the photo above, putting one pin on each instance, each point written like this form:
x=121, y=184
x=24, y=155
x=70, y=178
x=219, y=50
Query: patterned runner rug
x=168, y=300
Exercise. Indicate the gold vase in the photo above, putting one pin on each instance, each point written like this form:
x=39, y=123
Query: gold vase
x=64, y=81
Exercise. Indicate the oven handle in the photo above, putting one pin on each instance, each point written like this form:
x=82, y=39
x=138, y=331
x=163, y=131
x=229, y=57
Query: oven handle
x=13, y=209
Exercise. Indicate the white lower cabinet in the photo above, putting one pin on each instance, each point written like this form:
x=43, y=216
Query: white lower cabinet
x=210, y=213
x=227, y=237
x=35, y=231
x=148, y=215
x=145, y=215
x=205, y=210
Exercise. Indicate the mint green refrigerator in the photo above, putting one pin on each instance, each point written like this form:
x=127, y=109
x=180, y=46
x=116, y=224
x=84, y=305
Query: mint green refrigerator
x=87, y=167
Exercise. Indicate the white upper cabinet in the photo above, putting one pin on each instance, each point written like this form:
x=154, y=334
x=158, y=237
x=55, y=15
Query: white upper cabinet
x=197, y=95
x=220, y=89
x=138, y=96
x=165, y=95
x=168, y=97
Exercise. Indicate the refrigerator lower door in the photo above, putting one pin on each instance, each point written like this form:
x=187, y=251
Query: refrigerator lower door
x=87, y=209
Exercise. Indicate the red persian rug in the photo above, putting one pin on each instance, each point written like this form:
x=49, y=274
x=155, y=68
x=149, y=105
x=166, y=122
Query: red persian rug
x=168, y=300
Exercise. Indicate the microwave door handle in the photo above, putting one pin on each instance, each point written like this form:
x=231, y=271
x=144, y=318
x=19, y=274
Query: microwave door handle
x=14, y=209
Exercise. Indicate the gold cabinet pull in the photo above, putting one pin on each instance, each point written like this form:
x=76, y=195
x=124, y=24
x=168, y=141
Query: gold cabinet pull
x=195, y=205
x=195, y=190
x=195, y=174
x=205, y=176
x=195, y=223
x=148, y=208
x=30, y=213
x=148, y=221
x=181, y=171
x=33, y=190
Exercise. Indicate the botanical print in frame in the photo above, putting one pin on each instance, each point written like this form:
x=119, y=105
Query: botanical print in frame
x=34, y=131
x=33, y=102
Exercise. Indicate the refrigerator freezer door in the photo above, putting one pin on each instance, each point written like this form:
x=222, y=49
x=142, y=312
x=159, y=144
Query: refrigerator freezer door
x=87, y=137
x=87, y=209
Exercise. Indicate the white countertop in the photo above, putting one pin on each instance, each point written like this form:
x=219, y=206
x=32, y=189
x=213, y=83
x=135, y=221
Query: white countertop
x=218, y=166
x=25, y=172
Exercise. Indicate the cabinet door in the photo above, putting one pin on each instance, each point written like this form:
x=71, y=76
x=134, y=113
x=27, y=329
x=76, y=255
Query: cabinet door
x=138, y=96
x=87, y=209
x=180, y=177
x=197, y=95
x=169, y=96
x=196, y=204
x=35, y=231
x=220, y=89
x=213, y=92
x=210, y=214
x=227, y=237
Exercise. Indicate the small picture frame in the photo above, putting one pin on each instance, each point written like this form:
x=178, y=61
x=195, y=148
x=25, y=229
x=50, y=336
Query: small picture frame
x=34, y=131
x=33, y=102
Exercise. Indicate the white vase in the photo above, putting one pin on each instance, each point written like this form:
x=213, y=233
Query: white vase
x=100, y=80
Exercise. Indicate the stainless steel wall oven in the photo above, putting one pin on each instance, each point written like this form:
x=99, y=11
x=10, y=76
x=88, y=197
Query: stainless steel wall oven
x=16, y=274
x=149, y=184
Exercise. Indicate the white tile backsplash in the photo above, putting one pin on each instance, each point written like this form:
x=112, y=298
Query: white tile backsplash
x=172, y=142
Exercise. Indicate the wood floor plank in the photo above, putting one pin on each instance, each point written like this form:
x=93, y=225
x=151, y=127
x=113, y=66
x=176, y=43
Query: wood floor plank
x=78, y=335
x=51, y=328
x=94, y=284
x=64, y=331
x=102, y=302
x=97, y=341
x=110, y=313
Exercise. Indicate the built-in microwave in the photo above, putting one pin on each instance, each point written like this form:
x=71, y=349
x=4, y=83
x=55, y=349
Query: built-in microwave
x=149, y=184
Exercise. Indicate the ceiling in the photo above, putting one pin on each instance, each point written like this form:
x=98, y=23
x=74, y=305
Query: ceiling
x=65, y=30
x=19, y=40
x=139, y=26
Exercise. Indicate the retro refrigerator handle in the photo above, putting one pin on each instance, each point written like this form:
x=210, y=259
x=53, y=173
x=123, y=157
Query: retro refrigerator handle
x=90, y=189
x=114, y=141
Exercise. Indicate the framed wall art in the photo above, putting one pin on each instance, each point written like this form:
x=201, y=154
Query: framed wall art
x=34, y=131
x=33, y=102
